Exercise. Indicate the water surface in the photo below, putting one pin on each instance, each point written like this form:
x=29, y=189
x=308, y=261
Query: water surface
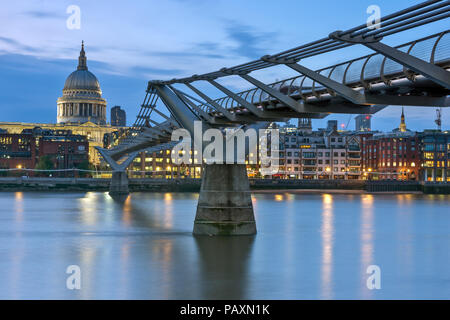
x=309, y=246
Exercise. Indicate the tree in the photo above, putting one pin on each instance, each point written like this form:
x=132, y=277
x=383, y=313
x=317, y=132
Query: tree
x=85, y=165
x=44, y=163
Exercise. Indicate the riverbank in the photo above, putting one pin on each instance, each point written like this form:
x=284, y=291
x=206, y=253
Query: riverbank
x=193, y=185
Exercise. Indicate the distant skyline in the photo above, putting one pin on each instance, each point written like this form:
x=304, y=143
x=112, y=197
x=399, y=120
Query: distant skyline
x=130, y=44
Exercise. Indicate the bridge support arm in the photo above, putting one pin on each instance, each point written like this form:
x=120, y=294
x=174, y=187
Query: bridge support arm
x=341, y=89
x=274, y=93
x=115, y=166
x=177, y=107
x=118, y=188
x=186, y=100
x=214, y=104
x=253, y=109
x=429, y=70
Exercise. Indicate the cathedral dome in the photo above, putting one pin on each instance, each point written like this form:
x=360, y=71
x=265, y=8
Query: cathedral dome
x=82, y=97
x=82, y=80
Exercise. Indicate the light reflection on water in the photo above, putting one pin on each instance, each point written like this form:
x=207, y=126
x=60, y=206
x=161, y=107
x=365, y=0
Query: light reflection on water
x=309, y=246
x=366, y=240
x=327, y=234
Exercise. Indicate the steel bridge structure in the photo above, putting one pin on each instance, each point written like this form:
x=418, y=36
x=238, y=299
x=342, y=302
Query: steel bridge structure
x=416, y=73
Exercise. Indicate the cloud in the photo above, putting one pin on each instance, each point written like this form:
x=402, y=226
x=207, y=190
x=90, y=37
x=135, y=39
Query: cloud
x=159, y=71
x=250, y=43
x=185, y=54
x=43, y=14
x=16, y=45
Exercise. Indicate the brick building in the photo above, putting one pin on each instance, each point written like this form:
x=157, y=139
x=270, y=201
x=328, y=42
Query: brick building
x=391, y=156
x=17, y=151
x=24, y=150
x=65, y=150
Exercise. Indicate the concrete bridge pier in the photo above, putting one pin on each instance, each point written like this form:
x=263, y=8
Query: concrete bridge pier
x=119, y=184
x=225, y=204
x=118, y=188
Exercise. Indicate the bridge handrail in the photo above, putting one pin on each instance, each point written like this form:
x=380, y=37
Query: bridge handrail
x=361, y=80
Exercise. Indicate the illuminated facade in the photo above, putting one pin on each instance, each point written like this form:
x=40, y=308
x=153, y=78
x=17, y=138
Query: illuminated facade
x=320, y=155
x=23, y=151
x=435, y=151
x=159, y=165
x=392, y=156
x=17, y=151
x=94, y=133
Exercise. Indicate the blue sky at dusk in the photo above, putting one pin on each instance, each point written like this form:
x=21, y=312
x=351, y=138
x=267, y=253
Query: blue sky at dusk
x=129, y=43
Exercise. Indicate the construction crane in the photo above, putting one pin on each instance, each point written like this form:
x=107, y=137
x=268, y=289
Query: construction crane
x=438, y=118
x=348, y=122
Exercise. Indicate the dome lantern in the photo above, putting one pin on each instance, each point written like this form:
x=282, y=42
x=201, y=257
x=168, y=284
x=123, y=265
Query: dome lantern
x=82, y=65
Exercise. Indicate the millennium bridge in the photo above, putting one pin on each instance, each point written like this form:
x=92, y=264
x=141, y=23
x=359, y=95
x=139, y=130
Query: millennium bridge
x=416, y=73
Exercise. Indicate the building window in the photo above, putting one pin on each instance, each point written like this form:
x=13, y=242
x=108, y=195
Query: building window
x=428, y=155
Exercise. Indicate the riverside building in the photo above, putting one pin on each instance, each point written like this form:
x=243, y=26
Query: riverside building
x=81, y=109
x=324, y=154
x=435, y=155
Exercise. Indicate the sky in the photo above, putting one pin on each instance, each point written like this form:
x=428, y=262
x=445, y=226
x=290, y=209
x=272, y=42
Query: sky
x=128, y=43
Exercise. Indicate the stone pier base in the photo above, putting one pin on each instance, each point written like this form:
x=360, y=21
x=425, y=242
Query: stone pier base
x=119, y=185
x=225, y=203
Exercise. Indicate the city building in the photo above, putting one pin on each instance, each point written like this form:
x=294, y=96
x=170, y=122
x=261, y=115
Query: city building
x=305, y=125
x=362, y=122
x=62, y=150
x=118, y=117
x=435, y=152
x=391, y=156
x=81, y=110
x=160, y=165
x=17, y=151
x=320, y=155
x=332, y=125
x=95, y=134
x=82, y=97
x=65, y=150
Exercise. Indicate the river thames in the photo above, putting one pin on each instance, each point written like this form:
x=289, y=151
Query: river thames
x=308, y=246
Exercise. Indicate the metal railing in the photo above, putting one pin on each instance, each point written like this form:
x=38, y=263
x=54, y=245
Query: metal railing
x=356, y=73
